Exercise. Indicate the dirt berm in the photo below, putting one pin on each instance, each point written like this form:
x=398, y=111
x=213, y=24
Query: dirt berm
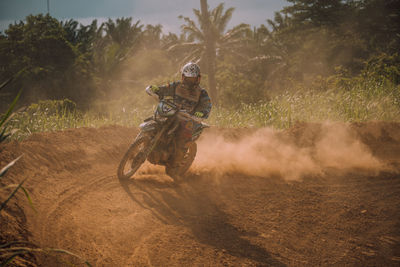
x=313, y=195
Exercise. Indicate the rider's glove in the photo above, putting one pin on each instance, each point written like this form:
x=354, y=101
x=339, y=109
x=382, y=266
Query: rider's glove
x=154, y=88
x=199, y=114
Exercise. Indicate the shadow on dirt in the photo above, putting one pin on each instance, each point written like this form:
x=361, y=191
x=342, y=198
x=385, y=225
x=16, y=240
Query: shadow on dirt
x=193, y=204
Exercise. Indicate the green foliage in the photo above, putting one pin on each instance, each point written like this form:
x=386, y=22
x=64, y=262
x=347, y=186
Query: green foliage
x=383, y=67
x=4, y=119
x=121, y=38
x=236, y=87
x=9, y=252
x=57, y=115
x=41, y=47
x=368, y=100
x=38, y=43
x=306, y=45
x=54, y=107
x=122, y=31
x=378, y=22
x=308, y=39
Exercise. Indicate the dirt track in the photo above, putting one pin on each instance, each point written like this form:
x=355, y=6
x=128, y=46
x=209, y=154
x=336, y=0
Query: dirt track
x=229, y=216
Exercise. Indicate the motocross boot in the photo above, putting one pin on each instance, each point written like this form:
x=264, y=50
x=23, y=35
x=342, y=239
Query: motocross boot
x=176, y=163
x=179, y=157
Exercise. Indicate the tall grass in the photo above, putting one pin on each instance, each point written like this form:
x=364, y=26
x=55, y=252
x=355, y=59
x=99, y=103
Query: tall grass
x=61, y=114
x=358, y=104
x=364, y=101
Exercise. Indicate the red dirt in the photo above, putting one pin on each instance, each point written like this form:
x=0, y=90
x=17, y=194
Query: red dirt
x=313, y=195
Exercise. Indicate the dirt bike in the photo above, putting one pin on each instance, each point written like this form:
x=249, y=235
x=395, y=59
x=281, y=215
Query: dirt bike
x=157, y=142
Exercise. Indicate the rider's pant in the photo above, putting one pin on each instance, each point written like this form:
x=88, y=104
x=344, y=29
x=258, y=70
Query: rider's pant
x=187, y=127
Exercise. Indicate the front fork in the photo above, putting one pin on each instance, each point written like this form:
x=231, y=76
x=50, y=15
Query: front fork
x=154, y=141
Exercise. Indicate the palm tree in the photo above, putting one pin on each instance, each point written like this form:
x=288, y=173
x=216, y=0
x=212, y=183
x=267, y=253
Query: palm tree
x=121, y=40
x=271, y=48
x=122, y=31
x=151, y=37
x=208, y=39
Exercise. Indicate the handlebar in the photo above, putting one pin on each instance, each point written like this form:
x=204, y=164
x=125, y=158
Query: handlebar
x=151, y=93
x=184, y=113
x=181, y=112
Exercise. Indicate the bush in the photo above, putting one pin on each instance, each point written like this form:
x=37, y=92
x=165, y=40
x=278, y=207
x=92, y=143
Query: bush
x=52, y=107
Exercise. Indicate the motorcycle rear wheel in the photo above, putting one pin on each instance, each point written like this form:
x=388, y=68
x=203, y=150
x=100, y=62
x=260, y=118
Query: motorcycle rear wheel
x=133, y=158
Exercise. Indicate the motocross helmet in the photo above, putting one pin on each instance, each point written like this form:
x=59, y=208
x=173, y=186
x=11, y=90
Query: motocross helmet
x=191, y=74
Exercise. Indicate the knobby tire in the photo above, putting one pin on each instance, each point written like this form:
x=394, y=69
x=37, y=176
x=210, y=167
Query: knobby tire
x=134, y=157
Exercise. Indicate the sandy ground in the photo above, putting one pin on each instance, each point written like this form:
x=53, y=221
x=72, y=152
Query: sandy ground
x=314, y=195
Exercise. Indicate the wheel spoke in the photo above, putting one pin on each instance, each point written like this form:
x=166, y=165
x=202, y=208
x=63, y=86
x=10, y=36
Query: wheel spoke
x=133, y=159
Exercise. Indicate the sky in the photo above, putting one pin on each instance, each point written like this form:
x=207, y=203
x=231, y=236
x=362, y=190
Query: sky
x=253, y=12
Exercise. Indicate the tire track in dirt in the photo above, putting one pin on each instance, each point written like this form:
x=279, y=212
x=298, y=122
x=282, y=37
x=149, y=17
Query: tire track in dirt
x=66, y=200
x=74, y=221
x=213, y=218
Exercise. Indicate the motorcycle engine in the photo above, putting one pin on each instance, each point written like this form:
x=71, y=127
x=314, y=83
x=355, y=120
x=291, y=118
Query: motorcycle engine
x=160, y=155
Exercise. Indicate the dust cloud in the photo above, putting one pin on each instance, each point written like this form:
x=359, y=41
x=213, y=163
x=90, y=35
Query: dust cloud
x=266, y=152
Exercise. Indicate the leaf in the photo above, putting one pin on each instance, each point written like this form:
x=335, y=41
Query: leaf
x=69, y=253
x=9, y=165
x=9, y=186
x=3, y=204
x=25, y=192
x=29, y=198
x=9, y=118
x=8, y=113
x=17, y=242
x=3, y=135
x=4, y=84
x=23, y=250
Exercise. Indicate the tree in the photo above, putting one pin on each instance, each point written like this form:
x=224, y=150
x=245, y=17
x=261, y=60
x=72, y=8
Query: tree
x=210, y=44
x=83, y=37
x=57, y=58
x=317, y=12
x=378, y=21
x=40, y=46
x=151, y=37
x=120, y=41
x=208, y=39
x=122, y=31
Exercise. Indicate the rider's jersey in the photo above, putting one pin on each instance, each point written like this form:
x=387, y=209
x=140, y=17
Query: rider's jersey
x=192, y=100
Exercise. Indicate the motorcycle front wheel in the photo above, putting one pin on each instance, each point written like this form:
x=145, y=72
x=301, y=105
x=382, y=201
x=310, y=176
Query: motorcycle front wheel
x=133, y=158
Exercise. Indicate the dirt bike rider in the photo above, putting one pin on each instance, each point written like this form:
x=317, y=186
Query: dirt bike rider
x=189, y=96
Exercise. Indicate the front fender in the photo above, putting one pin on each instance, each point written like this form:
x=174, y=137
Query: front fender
x=148, y=126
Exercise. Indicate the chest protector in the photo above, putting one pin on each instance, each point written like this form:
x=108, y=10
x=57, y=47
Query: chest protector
x=188, y=98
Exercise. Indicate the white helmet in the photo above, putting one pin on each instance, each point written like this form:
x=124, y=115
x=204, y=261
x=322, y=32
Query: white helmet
x=191, y=70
